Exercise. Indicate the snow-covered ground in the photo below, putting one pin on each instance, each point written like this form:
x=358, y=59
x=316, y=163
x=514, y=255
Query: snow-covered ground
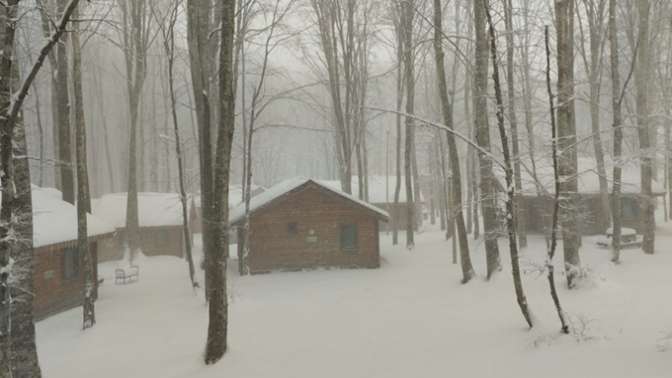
x=410, y=318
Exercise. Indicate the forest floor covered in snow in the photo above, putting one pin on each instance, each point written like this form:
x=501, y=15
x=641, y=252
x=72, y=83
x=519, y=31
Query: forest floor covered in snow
x=410, y=318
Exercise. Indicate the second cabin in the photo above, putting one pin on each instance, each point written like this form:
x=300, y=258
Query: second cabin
x=160, y=219
x=302, y=224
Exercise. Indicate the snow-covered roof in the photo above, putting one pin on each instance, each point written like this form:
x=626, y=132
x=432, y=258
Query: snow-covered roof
x=278, y=190
x=55, y=221
x=154, y=209
x=381, y=190
x=587, y=178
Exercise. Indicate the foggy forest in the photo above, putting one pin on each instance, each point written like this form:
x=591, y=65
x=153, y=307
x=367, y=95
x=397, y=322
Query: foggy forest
x=335, y=188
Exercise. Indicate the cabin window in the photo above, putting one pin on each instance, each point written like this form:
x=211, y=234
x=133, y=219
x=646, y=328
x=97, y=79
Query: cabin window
x=349, y=238
x=70, y=263
x=629, y=208
x=292, y=228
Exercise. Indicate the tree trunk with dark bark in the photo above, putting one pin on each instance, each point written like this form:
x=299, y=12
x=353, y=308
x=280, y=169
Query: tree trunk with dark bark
x=564, y=13
x=556, y=200
x=521, y=221
x=216, y=344
x=642, y=81
x=446, y=110
x=18, y=354
x=408, y=12
x=169, y=48
x=616, y=99
x=487, y=184
x=508, y=168
x=83, y=196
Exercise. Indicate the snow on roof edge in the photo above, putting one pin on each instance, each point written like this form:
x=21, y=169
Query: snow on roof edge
x=271, y=194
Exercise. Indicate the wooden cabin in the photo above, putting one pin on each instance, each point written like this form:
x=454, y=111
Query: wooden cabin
x=58, y=278
x=161, y=224
x=592, y=217
x=302, y=224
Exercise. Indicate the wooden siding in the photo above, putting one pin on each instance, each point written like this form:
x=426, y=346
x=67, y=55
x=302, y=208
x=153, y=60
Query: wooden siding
x=154, y=241
x=315, y=241
x=53, y=292
x=592, y=219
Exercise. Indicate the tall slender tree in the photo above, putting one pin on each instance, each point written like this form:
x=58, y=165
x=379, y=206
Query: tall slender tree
x=617, y=120
x=509, y=174
x=446, y=110
x=407, y=17
x=166, y=24
x=135, y=30
x=60, y=97
x=642, y=81
x=593, y=61
x=480, y=98
x=513, y=122
x=566, y=123
x=83, y=195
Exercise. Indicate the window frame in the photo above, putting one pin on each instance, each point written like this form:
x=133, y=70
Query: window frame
x=352, y=230
x=71, y=272
x=292, y=228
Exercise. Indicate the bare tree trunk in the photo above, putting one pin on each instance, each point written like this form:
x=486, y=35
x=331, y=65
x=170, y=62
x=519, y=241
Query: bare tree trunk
x=198, y=16
x=216, y=263
x=445, y=190
x=595, y=17
x=169, y=48
x=63, y=117
x=642, y=78
x=408, y=11
x=556, y=202
x=18, y=354
x=513, y=121
x=510, y=186
x=97, y=82
x=433, y=196
x=488, y=191
x=83, y=196
x=40, y=130
x=564, y=13
x=446, y=109
x=616, y=99
x=135, y=43
x=400, y=98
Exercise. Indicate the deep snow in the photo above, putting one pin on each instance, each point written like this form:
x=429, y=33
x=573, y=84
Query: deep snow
x=410, y=318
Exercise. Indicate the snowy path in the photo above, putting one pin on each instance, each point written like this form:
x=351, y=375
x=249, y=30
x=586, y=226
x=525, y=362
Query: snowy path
x=410, y=318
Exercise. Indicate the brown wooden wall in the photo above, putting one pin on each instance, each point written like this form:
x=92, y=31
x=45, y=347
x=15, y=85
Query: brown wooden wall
x=154, y=241
x=318, y=215
x=592, y=218
x=399, y=212
x=53, y=292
